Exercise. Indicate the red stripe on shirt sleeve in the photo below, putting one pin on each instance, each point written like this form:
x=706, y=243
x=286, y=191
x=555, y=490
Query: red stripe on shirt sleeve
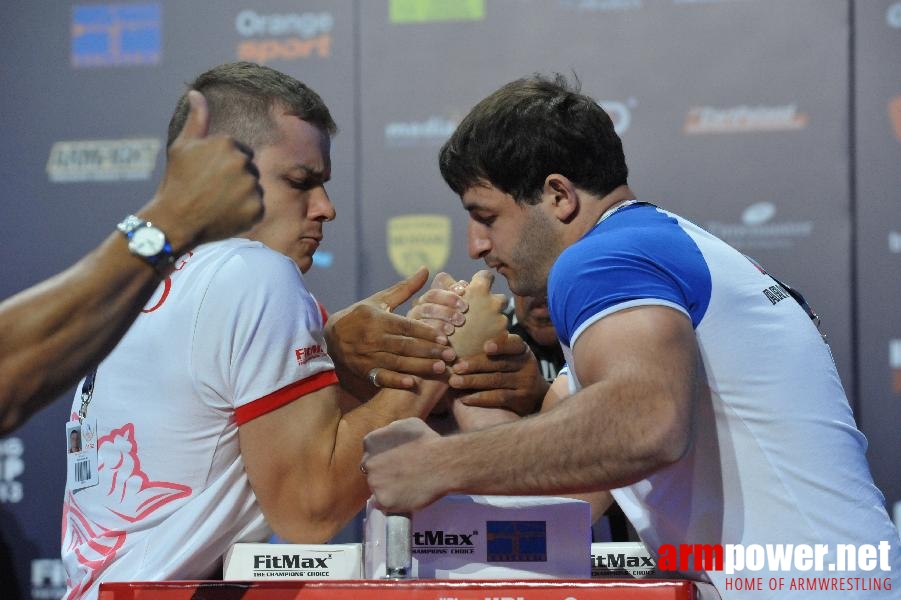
x=279, y=398
x=322, y=312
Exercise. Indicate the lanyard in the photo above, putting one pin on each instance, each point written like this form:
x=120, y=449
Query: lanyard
x=87, y=391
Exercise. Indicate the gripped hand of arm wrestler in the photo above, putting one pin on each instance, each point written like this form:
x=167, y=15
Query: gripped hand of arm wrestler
x=394, y=482
x=484, y=321
x=503, y=374
x=486, y=330
x=367, y=335
x=442, y=306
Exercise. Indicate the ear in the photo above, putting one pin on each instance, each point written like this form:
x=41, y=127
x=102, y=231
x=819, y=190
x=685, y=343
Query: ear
x=563, y=196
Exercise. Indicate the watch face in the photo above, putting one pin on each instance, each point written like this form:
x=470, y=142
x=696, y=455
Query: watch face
x=147, y=241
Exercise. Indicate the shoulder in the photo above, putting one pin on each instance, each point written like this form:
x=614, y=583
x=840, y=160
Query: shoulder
x=642, y=238
x=641, y=229
x=249, y=263
x=237, y=271
x=639, y=256
x=249, y=254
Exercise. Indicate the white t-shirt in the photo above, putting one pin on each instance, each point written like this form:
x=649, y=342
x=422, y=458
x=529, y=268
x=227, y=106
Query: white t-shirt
x=777, y=457
x=231, y=335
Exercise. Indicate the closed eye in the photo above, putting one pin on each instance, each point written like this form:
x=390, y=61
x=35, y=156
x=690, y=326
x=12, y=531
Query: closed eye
x=304, y=185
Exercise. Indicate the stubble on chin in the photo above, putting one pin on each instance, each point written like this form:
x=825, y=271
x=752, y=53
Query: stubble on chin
x=304, y=263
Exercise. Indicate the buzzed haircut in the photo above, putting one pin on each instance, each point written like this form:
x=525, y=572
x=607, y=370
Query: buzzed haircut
x=241, y=96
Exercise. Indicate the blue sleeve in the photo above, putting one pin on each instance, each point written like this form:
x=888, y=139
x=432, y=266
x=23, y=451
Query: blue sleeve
x=640, y=259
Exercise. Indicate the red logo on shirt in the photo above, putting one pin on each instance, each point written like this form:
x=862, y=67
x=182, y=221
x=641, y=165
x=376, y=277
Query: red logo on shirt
x=305, y=355
x=167, y=284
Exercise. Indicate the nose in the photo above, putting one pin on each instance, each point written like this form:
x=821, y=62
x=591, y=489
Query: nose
x=321, y=207
x=478, y=242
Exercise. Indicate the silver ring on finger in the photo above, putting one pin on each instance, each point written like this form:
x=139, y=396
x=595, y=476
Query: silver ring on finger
x=373, y=377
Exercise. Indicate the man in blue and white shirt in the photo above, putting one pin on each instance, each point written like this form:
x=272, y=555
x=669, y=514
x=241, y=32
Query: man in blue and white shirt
x=699, y=394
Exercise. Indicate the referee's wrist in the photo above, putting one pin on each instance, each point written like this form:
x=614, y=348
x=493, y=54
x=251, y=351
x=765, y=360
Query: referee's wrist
x=147, y=242
x=181, y=238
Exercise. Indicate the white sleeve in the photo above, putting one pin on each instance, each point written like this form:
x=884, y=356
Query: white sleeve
x=259, y=334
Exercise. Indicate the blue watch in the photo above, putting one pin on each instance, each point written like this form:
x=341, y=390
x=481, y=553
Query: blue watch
x=147, y=242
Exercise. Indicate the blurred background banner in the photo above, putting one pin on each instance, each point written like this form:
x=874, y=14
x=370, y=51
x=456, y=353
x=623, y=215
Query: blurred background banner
x=775, y=124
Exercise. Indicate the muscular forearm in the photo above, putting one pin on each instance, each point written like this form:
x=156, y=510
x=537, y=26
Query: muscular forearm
x=634, y=416
x=340, y=491
x=54, y=332
x=584, y=444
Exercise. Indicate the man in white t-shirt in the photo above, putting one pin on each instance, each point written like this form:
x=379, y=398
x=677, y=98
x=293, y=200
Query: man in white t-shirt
x=218, y=417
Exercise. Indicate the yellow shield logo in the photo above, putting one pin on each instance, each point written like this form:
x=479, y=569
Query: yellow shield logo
x=416, y=240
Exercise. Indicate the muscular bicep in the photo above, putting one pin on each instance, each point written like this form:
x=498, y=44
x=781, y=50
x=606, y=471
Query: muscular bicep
x=645, y=364
x=287, y=452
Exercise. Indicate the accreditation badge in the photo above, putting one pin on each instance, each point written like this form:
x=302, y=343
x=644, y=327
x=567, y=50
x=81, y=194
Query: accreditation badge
x=81, y=455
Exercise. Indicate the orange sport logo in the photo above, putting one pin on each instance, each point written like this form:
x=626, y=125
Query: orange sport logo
x=289, y=36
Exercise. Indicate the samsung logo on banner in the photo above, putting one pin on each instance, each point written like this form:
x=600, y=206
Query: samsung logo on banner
x=516, y=541
x=758, y=214
x=12, y=466
x=893, y=15
x=48, y=578
x=289, y=36
x=113, y=35
x=743, y=119
x=434, y=131
x=102, y=160
x=759, y=230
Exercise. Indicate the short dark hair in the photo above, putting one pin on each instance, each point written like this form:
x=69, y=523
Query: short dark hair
x=528, y=129
x=241, y=96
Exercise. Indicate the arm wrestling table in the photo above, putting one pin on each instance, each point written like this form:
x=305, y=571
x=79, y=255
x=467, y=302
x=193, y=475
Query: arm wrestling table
x=413, y=589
